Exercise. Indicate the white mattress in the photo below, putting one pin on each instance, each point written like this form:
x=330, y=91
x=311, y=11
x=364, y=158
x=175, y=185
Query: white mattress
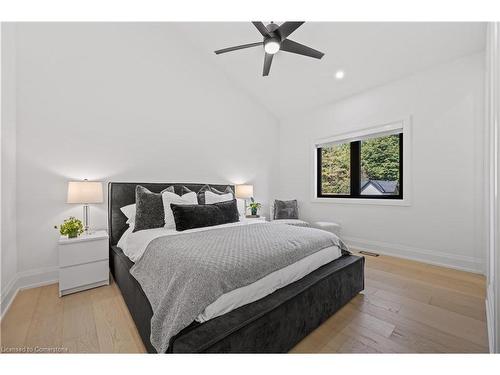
x=133, y=246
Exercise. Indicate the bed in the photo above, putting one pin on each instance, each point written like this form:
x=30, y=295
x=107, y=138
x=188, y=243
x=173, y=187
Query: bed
x=273, y=324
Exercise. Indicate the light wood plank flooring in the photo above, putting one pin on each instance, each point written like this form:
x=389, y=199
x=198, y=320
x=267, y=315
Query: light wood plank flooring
x=407, y=307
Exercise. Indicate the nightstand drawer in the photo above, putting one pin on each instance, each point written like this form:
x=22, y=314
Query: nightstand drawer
x=84, y=274
x=83, y=252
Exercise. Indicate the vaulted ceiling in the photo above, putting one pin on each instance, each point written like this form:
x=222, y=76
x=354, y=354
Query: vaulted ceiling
x=370, y=54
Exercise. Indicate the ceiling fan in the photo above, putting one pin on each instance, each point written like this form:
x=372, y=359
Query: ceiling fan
x=275, y=39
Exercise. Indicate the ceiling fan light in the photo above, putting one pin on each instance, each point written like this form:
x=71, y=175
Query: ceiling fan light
x=271, y=46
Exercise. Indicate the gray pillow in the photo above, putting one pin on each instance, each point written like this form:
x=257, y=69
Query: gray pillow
x=201, y=193
x=286, y=209
x=149, y=212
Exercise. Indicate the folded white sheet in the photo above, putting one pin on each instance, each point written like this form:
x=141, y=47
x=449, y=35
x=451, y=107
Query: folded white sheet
x=268, y=284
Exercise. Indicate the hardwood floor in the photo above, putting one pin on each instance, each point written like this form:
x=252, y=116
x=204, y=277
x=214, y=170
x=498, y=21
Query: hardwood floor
x=92, y=321
x=407, y=307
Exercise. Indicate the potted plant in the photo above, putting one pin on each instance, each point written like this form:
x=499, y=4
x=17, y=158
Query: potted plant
x=254, y=207
x=71, y=227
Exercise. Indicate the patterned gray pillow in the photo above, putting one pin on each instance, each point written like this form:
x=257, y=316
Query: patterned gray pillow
x=286, y=209
x=149, y=212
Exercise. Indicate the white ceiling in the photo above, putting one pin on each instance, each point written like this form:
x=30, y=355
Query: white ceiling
x=371, y=54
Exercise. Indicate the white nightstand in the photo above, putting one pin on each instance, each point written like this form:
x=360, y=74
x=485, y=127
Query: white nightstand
x=260, y=218
x=83, y=262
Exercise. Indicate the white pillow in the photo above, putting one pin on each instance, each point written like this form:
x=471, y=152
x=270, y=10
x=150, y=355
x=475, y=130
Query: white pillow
x=168, y=197
x=129, y=212
x=211, y=197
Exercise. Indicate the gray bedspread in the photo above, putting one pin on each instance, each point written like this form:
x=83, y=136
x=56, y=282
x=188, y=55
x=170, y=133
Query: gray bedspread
x=183, y=274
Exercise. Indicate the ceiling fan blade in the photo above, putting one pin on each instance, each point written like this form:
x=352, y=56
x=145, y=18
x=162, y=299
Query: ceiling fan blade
x=268, y=59
x=262, y=28
x=288, y=27
x=235, y=48
x=300, y=49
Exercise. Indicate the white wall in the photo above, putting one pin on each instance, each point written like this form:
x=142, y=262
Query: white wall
x=492, y=183
x=444, y=223
x=123, y=102
x=8, y=164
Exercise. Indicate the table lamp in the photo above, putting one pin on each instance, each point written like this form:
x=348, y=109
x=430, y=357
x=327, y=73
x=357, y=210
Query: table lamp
x=244, y=192
x=85, y=192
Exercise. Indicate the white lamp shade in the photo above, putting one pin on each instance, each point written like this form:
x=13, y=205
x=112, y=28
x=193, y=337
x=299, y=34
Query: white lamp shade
x=244, y=191
x=85, y=192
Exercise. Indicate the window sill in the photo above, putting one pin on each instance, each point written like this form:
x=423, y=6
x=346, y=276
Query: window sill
x=373, y=202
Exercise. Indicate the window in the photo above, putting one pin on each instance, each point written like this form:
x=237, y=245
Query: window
x=371, y=167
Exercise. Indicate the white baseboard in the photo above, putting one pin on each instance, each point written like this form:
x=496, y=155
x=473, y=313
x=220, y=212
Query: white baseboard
x=8, y=295
x=460, y=262
x=25, y=280
x=489, y=318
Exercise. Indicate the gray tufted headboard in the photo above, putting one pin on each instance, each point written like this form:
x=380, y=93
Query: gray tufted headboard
x=123, y=193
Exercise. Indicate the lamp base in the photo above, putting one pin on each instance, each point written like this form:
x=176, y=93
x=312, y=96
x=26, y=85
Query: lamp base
x=86, y=219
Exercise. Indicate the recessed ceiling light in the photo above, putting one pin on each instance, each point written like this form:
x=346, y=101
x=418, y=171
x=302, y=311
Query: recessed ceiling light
x=339, y=74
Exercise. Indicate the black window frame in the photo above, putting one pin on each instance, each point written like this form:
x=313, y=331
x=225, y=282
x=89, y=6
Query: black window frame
x=355, y=174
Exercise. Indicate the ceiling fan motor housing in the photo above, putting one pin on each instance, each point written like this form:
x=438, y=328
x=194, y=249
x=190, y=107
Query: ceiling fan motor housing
x=272, y=27
x=274, y=33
